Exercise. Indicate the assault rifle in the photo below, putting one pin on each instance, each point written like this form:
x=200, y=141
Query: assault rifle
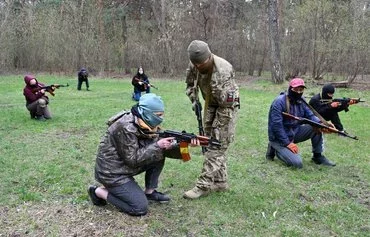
x=343, y=102
x=149, y=84
x=184, y=138
x=50, y=88
x=318, y=125
x=198, y=113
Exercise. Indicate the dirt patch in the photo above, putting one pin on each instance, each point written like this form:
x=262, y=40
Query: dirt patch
x=68, y=220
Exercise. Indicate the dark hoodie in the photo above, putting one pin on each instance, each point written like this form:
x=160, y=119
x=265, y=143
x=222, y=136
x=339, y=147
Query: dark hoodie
x=30, y=92
x=83, y=74
x=140, y=77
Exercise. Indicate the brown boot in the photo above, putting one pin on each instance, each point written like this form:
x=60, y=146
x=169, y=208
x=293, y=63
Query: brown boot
x=195, y=193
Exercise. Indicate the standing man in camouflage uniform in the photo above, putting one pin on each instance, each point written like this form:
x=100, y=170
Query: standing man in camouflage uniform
x=214, y=76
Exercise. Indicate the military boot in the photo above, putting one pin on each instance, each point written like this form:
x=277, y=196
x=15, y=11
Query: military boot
x=220, y=187
x=195, y=193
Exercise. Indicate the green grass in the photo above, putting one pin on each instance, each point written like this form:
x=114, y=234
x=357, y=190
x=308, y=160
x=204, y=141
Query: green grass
x=45, y=168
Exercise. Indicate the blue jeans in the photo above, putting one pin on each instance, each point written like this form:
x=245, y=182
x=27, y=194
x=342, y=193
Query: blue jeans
x=137, y=93
x=129, y=197
x=304, y=133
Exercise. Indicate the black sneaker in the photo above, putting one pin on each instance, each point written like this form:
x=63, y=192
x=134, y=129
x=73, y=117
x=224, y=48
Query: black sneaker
x=97, y=201
x=322, y=160
x=270, y=153
x=158, y=197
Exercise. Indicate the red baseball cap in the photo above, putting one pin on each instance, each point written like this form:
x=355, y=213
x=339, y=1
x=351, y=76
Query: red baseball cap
x=297, y=82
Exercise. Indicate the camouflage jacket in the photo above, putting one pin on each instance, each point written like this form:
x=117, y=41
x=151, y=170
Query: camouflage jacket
x=221, y=85
x=124, y=151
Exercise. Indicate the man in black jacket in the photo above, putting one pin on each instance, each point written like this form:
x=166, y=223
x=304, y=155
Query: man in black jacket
x=83, y=77
x=326, y=108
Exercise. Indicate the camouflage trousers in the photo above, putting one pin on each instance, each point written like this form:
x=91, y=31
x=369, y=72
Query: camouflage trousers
x=220, y=124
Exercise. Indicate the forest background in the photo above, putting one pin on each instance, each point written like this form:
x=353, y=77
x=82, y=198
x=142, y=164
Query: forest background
x=317, y=38
x=46, y=167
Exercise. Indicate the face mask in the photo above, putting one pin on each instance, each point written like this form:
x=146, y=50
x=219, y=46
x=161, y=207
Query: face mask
x=146, y=129
x=294, y=95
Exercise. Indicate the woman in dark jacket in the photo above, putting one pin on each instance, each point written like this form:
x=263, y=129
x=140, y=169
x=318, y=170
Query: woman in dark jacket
x=141, y=83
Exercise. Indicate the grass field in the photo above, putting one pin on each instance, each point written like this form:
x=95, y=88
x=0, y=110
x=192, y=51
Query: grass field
x=45, y=168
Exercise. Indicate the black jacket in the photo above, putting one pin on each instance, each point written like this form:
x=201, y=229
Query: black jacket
x=326, y=111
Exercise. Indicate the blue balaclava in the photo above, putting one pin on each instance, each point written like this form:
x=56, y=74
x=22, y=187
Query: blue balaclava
x=148, y=105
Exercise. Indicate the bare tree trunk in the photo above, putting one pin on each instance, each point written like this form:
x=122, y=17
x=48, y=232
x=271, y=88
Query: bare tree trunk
x=17, y=8
x=314, y=53
x=260, y=67
x=126, y=62
x=165, y=35
x=102, y=59
x=276, y=68
x=252, y=57
x=80, y=59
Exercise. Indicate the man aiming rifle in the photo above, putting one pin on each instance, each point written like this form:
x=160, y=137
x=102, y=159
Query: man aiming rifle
x=36, y=100
x=328, y=107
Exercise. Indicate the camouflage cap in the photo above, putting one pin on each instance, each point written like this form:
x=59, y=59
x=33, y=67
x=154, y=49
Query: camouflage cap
x=198, y=51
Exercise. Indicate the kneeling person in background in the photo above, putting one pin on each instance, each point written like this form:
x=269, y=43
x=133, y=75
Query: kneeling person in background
x=36, y=100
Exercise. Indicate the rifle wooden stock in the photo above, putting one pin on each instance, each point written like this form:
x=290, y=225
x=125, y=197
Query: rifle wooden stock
x=318, y=125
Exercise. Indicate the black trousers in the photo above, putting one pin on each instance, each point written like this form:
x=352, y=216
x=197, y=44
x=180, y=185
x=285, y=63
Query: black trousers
x=80, y=81
x=129, y=197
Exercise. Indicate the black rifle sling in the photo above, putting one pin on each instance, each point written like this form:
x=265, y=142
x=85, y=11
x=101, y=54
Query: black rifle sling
x=287, y=102
x=316, y=113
